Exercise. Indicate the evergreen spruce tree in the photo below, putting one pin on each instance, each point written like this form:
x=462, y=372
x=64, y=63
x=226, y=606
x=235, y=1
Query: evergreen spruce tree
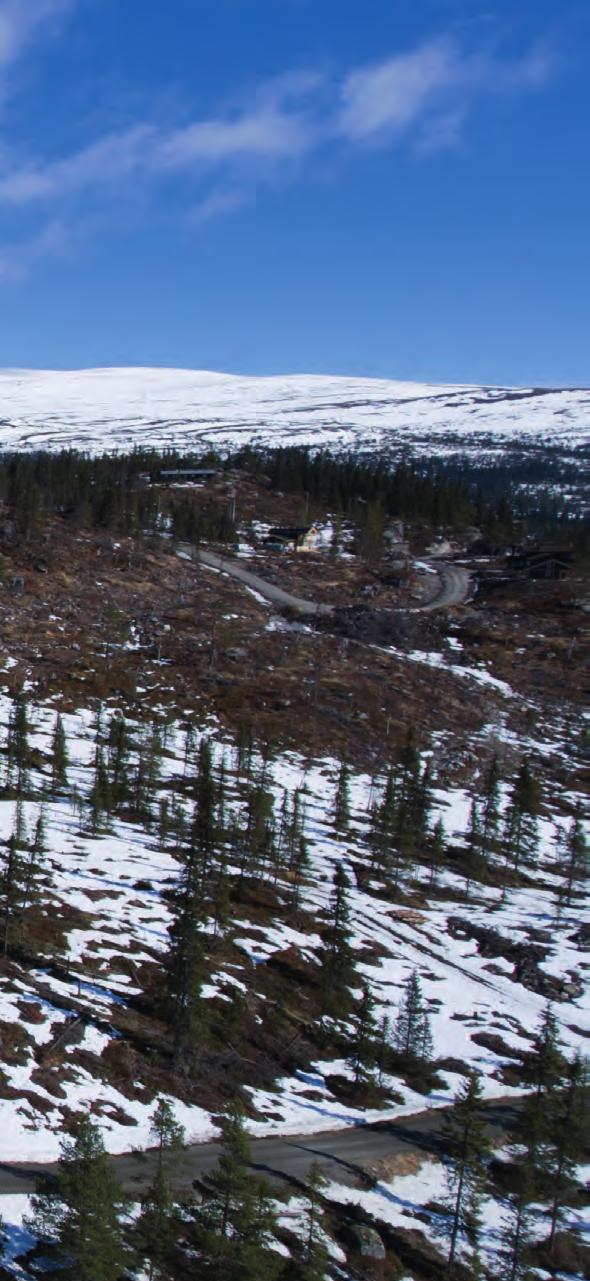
x=185, y=976
x=203, y=826
x=83, y=1212
x=13, y=881
x=423, y=805
x=412, y=807
x=59, y=757
x=520, y=826
x=18, y=750
x=221, y=896
x=474, y=862
x=337, y=958
x=363, y=1050
x=342, y=799
x=311, y=1256
x=468, y=1148
x=577, y=866
x=517, y=1232
x=33, y=864
x=382, y=816
x=244, y=752
x=155, y=1229
x=259, y=844
x=100, y=796
x=232, y=1227
x=567, y=1134
x=436, y=852
x=118, y=759
x=412, y=1035
x=190, y=741
x=547, y=1067
x=298, y=867
x=490, y=810
x=221, y=799
x=164, y=822
x=383, y=1046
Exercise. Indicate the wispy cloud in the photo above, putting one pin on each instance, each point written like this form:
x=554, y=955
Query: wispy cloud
x=21, y=21
x=388, y=97
x=53, y=240
x=435, y=85
x=216, y=203
x=422, y=97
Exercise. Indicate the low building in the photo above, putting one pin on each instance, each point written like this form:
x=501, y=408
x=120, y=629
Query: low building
x=540, y=562
x=292, y=538
x=185, y=475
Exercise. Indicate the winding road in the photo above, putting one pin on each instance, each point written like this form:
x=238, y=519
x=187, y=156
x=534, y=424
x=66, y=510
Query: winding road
x=454, y=584
x=344, y=1155
x=453, y=589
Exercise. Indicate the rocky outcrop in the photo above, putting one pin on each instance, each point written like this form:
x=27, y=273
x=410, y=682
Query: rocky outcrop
x=526, y=955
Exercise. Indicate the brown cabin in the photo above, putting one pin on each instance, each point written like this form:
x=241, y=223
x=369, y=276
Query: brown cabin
x=541, y=562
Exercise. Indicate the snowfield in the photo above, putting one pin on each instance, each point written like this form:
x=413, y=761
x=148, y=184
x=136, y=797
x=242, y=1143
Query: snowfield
x=115, y=409
x=114, y=883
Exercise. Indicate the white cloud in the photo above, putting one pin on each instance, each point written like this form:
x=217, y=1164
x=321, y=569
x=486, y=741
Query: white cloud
x=20, y=21
x=424, y=96
x=145, y=152
x=216, y=203
x=269, y=133
x=433, y=86
x=390, y=96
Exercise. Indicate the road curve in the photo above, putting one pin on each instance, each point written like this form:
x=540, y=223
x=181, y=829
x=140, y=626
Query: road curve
x=454, y=587
x=269, y=591
x=454, y=584
x=344, y=1155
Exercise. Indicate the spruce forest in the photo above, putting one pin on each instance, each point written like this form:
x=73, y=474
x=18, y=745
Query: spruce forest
x=293, y=869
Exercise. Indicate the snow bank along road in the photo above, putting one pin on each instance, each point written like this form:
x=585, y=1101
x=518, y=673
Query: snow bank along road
x=342, y=1154
x=453, y=588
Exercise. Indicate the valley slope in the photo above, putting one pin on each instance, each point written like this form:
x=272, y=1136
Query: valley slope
x=119, y=408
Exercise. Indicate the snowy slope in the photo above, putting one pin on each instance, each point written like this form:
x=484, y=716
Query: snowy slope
x=116, y=408
x=115, y=882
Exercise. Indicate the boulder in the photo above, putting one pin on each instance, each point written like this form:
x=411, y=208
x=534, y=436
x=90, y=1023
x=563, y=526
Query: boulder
x=366, y=1241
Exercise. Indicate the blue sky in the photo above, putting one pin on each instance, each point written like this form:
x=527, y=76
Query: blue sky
x=271, y=186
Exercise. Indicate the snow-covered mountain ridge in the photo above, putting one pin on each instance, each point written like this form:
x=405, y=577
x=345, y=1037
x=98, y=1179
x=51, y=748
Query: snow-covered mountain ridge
x=118, y=408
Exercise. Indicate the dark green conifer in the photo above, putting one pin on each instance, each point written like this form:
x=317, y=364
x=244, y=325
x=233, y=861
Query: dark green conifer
x=337, y=957
x=490, y=808
x=185, y=977
x=341, y=817
x=18, y=749
x=474, y=861
x=468, y=1147
x=59, y=757
x=82, y=1213
x=412, y=1035
x=364, y=1037
x=436, y=852
x=520, y=825
x=13, y=880
x=233, y=1226
x=517, y=1232
x=576, y=867
x=156, y=1230
x=567, y=1133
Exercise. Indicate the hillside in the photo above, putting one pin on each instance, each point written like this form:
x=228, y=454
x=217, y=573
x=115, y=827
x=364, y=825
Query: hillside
x=225, y=770
x=121, y=408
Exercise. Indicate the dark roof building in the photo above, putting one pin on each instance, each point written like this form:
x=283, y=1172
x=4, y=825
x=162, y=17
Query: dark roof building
x=540, y=562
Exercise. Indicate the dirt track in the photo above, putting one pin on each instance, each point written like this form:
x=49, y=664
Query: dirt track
x=453, y=589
